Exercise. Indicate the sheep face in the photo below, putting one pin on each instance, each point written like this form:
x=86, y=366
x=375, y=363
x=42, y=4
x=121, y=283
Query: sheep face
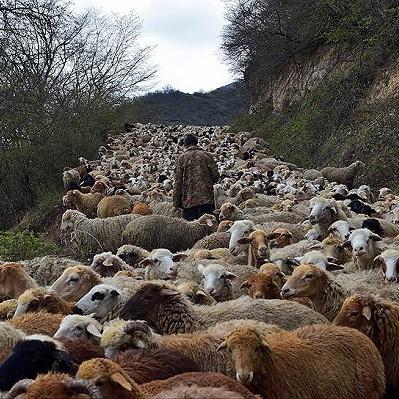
x=209, y=221
x=214, y=278
x=340, y=229
x=388, y=261
x=228, y=211
x=280, y=238
x=321, y=211
x=363, y=242
x=75, y=282
x=162, y=263
x=356, y=312
x=257, y=240
x=107, y=264
x=100, y=301
x=195, y=294
x=238, y=230
x=75, y=326
x=304, y=282
x=247, y=350
x=262, y=286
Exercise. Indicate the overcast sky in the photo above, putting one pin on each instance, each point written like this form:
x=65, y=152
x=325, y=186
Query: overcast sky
x=187, y=36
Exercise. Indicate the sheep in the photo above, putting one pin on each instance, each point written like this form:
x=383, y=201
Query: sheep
x=141, y=208
x=132, y=255
x=75, y=282
x=344, y=175
x=70, y=176
x=320, y=260
x=222, y=254
x=114, y=205
x=156, y=231
x=339, y=229
x=279, y=238
x=388, y=261
x=77, y=326
x=213, y=241
x=192, y=291
x=161, y=264
x=53, y=385
x=85, y=203
x=9, y=336
x=216, y=281
x=33, y=355
x=81, y=349
x=46, y=269
x=167, y=311
x=334, y=250
x=239, y=229
x=99, y=301
x=93, y=235
x=323, y=213
x=339, y=362
x=37, y=323
x=107, y=265
x=373, y=225
x=259, y=250
x=195, y=392
x=37, y=299
x=165, y=209
x=262, y=286
x=7, y=309
x=314, y=283
x=378, y=320
x=154, y=364
x=14, y=280
x=363, y=243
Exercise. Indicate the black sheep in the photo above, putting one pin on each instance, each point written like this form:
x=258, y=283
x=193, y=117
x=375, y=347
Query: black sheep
x=373, y=225
x=88, y=181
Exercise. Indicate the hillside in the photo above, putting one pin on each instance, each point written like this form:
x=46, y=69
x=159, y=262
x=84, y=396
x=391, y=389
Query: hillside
x=218, y=107
x=324, y=89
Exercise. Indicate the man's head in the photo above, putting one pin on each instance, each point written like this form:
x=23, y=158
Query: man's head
x=190, y=139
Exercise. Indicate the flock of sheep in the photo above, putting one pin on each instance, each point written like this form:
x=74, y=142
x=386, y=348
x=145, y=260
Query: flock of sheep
x=289, y=290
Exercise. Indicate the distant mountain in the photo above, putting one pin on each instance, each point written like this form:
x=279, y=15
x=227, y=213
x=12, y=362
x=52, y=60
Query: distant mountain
x=217, y=107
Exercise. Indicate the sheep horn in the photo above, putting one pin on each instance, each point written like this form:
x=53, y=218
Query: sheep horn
x=136, y=326
x=19, y=388
x=83, y=387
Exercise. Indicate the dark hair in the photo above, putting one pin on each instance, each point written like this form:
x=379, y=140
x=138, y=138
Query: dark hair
x=190, y=139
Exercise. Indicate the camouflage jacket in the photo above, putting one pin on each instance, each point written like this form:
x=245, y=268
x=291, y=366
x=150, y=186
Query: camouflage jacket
x=195, y=174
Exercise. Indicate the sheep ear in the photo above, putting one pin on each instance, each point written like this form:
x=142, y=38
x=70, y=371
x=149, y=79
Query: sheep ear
x=179, y=257
x=245, y=284
x=200, y=268
x=244, y=240
x=108, y=262
x=92, y=329
x=114, y=293
x=375, y=237
x=230, y=276
x=222, y=346
x=121, y=380
x=366, y=312
x=201, y=293
x=146, y=262
x=272, y=236
x=333, y=266
x=209, y=223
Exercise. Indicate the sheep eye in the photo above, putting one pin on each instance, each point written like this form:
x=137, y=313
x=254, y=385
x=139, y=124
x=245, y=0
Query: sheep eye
x=309, y=276
x=100, y=382
x=73, y=280
x=354, y=314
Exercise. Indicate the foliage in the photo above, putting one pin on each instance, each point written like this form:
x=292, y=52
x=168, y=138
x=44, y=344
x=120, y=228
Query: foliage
x=26, y=245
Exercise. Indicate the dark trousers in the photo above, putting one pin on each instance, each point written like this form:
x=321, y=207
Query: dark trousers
x=196, y=212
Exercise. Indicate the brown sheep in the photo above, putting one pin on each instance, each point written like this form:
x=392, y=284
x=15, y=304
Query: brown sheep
x=7, y=309
x=195, y=392
x=258, y=251
x=37, y=323
x=279, y=238
x=141, y=208
x=262, y=285
x=75, y=282
x=154, y=364
x=14, y=280
x=54, y=385
x=320, y=361
x=100, y=187
x=314, y=283
x=37, y=299
x=81, y=349
x=85, y=203
x=224, y=226
x=115, y=205
x=379, y=320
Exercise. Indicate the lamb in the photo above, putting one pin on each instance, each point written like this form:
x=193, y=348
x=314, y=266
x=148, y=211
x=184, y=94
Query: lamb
x=154, y=364
x=114, y=205
x=155, y=231
x=378, y=320
x=259, y=251
x=37, y=323
x=314, y=283
x=363, y=243
x=388, y=261
x=53, y=385
x=85, y=203
x=334, y=250
x=216, y=281
x=132, y=255
x=14, y=280
x=75, y=282
x=107, y=265
x=93, y=235
x=239, y=229
x=167, y=311
x=36, y=299
x=192, y=291
x=33, y=355
x=344, y=175
x=340, y=230
x=262, y=286
x=161, y=264
x=333, y=357
x=77, y=326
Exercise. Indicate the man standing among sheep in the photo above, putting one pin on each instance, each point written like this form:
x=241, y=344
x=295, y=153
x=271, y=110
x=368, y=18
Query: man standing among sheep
x=195, y=174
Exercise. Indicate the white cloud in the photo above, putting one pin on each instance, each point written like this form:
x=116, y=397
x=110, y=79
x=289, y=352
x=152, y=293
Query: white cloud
x=187, y=38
